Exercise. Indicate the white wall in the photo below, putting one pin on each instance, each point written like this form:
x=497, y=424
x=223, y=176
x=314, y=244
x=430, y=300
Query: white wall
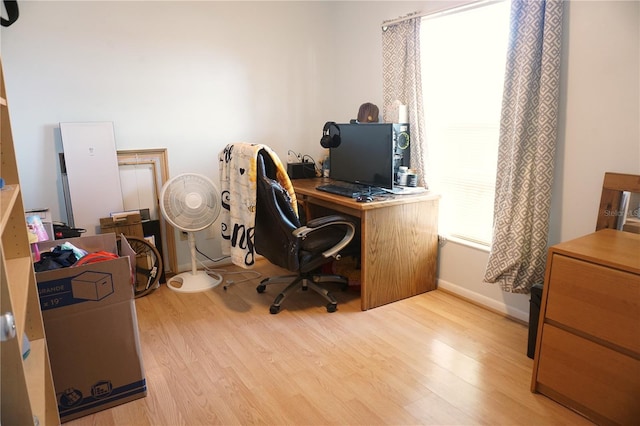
x=600, y=109
x=188, y=76
x=194, y=76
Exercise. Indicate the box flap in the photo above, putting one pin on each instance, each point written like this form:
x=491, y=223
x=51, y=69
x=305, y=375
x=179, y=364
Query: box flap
x=121, y=220
x=91, y=243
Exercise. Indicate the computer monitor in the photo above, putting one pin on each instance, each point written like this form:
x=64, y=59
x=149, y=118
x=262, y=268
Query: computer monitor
x=365, y=155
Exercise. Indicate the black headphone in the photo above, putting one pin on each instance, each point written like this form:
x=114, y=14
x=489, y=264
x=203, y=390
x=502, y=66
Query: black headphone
x=11, y=6
x=329, y=141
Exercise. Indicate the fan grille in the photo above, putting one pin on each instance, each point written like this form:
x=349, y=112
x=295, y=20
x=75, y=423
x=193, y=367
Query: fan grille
x=190, y=202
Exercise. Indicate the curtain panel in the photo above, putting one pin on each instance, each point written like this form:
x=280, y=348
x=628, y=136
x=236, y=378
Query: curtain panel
x=528, y=132
x=402, y=82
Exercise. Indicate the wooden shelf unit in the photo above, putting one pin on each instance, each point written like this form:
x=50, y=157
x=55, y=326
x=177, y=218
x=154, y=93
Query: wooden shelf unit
x=28, y=395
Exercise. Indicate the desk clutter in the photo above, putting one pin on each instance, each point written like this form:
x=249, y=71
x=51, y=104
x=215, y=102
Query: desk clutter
x=406, y=177
x=362, y=193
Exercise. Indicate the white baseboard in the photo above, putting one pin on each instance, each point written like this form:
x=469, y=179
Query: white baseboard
x=485, y=301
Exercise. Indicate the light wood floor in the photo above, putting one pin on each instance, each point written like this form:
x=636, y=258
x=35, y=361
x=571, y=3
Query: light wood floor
x=220, y=358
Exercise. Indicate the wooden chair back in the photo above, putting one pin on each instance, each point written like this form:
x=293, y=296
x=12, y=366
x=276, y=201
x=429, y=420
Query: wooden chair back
x=613, y=186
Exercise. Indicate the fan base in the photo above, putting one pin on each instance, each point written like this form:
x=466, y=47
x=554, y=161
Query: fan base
x=188, y=282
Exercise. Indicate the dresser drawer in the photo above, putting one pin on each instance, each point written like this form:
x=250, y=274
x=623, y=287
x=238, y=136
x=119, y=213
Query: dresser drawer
x=596, y=300
x=600, y=383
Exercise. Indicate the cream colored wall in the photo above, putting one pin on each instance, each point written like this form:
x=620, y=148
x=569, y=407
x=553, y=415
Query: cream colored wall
x=193, y=76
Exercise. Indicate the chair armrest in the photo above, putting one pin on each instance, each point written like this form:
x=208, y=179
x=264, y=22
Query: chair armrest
x=327, y=221
x=324, y=220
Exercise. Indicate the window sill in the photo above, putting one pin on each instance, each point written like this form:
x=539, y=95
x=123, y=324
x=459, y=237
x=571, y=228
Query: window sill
x=448, y=238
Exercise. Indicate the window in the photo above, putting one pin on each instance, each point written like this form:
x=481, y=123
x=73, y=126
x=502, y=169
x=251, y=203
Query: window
x=463, y=54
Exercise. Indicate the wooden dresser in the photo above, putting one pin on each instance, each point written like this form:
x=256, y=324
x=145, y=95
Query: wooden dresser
x=588, y=345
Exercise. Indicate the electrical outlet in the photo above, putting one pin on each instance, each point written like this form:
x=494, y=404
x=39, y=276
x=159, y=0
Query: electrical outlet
x=212, y=232
x=184, y=235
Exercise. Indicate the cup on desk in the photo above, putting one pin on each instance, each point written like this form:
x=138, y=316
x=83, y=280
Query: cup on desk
x=412, y=179
x=325, y=167
x=402, y=175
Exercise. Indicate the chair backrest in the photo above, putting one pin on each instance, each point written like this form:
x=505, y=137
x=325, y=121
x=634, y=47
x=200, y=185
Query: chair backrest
x=275, y=219
x=613, y=187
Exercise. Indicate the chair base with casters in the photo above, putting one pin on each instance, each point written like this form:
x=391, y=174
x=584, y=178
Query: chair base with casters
x=304, y=282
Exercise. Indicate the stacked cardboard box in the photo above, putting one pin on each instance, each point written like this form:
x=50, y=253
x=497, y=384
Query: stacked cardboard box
x=130, y=224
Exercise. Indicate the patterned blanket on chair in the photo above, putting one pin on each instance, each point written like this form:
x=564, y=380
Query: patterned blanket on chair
x=238, y=174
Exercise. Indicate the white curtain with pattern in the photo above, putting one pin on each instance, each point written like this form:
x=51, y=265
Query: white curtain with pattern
x=402, y=82
x=528, y=132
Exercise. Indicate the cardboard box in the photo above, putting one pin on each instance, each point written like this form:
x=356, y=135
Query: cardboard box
x=130, y=224
x=92, y=331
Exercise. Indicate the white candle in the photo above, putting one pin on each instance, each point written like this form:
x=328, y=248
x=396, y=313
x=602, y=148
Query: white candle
x=403, y=114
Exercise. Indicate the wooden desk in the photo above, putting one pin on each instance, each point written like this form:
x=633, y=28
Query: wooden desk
x=399, y=239
x=588, y=347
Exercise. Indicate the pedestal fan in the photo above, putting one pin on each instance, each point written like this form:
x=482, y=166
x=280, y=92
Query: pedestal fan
x=191, y=203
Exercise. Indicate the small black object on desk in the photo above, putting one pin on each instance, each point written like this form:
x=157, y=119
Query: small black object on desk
x=364, y=199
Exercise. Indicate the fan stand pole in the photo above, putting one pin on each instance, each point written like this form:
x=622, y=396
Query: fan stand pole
x=192, y=246
x=194, y=281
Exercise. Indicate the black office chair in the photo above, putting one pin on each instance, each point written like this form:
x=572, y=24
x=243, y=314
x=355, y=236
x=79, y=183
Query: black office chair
x=282, y=239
